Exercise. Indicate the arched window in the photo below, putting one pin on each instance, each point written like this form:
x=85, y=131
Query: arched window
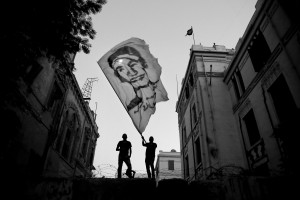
x=85, y=144
x=68, y=132
x=62, y=126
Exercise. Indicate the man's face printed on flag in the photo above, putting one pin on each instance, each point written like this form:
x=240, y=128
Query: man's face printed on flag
x=134, y=74
x=131, y=70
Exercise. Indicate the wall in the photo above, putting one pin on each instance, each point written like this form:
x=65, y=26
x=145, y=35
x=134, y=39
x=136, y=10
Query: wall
x=226, y=188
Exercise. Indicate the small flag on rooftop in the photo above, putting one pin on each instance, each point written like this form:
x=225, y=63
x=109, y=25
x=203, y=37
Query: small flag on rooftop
x=189, y=32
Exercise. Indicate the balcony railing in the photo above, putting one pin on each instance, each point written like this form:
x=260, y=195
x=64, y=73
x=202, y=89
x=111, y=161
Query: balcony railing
x=257, y=154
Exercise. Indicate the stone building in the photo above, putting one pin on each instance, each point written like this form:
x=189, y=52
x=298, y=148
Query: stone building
x=168, y=165
x=208, y=133
x=264, y=83
x=48, y=130
x=238, y=109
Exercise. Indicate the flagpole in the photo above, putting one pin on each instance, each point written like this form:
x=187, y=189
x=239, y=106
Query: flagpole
x=193, y=36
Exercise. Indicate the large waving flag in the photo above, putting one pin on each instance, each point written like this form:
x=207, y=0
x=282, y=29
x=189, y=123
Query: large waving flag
x=134, y=74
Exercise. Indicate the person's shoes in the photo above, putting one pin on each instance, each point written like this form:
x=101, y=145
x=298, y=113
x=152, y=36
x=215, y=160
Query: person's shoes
x=130, y=174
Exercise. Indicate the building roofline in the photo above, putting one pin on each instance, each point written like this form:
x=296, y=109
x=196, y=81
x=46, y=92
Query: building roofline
x=193, y=51
x=241, y=44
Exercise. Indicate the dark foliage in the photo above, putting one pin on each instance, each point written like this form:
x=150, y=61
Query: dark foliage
x=37, y=28
x=54, y=27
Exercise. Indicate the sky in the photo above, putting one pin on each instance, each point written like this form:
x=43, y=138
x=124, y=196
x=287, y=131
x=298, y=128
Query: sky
x=163, y=25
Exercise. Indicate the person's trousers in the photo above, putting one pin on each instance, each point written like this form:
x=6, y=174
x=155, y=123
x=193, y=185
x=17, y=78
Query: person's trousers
x=120, y=164
x=150, y=165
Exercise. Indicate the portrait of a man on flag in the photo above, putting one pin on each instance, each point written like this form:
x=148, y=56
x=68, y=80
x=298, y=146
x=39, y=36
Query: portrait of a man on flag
x=134, y=74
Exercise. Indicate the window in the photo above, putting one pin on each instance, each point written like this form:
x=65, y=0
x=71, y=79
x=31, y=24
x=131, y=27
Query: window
x=170, y=164
x=184, y=138
x=84, y=149
x=251, y=127
x=191, y=79
x=284, y=103
x=291, y=9
x=67, y=144
x=193, y=115
x=259, y=51
x=55, y=98
x=63, y=126
x=235, y=88
x=240, y=80
x=238, y=84
x=186, y=166
x=187, y=92
x=289, y=118
x=68, y=130
x=198, y=151
x=74, y=153
x=31, y=72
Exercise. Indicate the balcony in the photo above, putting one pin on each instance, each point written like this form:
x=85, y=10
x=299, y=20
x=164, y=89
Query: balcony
x=257, y=154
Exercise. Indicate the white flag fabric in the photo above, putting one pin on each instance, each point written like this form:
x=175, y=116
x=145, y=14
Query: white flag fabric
x=134, y=74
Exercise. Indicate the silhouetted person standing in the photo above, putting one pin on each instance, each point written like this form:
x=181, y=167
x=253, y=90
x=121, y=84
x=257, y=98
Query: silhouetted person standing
x=124, y=147
x=150, y=155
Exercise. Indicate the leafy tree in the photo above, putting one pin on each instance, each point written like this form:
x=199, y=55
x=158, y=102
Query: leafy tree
x=35, y=28
x=54, y=28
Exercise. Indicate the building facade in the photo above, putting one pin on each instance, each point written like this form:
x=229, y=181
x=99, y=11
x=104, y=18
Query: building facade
x=77, y=134
x=238, y=109
x=48, y=129
x=168, y=165
x=208, y=132
x=264, y=83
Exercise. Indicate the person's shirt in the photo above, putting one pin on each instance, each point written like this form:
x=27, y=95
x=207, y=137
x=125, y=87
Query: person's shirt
x=124, y=146
x=150, y=151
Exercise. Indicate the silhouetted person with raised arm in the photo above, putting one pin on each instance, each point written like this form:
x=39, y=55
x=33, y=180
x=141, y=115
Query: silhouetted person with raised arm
x=124, y=148
x=150, y=156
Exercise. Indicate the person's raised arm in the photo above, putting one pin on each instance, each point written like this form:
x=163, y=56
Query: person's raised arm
x=143, y=141
x=118, y=147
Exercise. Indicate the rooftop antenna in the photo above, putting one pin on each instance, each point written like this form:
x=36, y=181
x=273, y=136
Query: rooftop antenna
x=87, y=88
